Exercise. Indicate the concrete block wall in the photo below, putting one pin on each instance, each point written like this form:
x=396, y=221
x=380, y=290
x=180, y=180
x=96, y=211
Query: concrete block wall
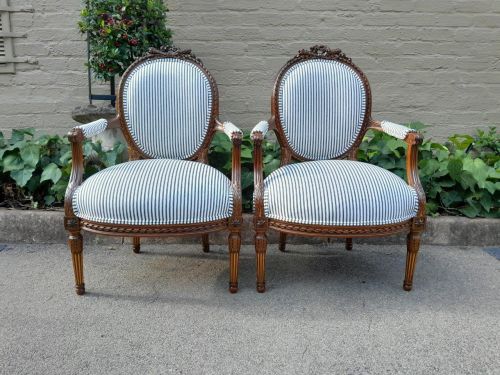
x=433, y=61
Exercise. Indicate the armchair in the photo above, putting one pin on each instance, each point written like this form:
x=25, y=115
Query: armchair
x=168, y=112
x=320, y=111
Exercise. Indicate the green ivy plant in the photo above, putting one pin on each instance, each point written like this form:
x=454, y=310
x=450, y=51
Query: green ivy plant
x=460, y=176
x=34, y=172
x=120, y=31
x=220, y=157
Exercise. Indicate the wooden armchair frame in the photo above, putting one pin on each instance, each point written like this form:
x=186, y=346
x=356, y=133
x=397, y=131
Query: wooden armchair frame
x=414, y=226
x=75, y=225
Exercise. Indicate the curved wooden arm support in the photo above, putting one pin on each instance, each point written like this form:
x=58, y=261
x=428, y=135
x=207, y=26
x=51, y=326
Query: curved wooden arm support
x=258, y=175
x=413, y=140
x=76, y=137
x=236, y=138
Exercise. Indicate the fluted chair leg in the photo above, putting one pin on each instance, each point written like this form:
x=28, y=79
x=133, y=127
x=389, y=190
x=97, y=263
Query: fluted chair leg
x=75, y=243
x=205, y=243
x=234, y=258
x=282, y=241
x=260, y=250
x=348, y=243
x=136, y=241
x=413, y=245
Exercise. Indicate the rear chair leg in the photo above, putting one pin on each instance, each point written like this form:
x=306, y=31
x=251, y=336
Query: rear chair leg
x=75, y=242
x=348, y=243
x=136, y=244
x=205, y=243
x=412, y=245
x=234, y=258
x=282, y=241
x=260, y=252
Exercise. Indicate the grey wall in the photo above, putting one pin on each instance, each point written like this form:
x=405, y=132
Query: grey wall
x=433, y=61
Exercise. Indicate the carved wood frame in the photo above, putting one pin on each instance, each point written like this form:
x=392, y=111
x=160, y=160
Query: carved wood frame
x=414, y=227
x=74, y=225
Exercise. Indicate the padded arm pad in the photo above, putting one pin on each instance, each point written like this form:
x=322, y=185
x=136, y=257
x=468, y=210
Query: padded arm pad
x=398, y=131
x=230, y=129
x=93, y=128
x=261, y=127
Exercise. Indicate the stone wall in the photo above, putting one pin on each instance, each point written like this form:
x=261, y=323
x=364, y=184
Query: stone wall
x=433, y=61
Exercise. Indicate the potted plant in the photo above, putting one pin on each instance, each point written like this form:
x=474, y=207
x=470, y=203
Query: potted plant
x=120, y=31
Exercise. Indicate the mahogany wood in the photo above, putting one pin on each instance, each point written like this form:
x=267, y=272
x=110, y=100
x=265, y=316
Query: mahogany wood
x=75, y=225
x=414, y=226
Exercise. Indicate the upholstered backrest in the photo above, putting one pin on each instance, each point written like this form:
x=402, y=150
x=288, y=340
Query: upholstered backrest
x=167, y=105
x=321, y=105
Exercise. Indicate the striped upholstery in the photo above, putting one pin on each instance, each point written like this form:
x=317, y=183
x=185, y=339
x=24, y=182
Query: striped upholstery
x=338, y=192
x=153, y=192
x=230, y=129
x=167, y=106
x=398, y=131
x=93, y=128
x=261, y=127
x=322, y=105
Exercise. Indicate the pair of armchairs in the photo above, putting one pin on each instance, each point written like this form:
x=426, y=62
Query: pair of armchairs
x=168, y=112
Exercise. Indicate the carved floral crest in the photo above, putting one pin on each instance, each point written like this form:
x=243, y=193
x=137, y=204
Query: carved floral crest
x=324, y=51
x=172, y=51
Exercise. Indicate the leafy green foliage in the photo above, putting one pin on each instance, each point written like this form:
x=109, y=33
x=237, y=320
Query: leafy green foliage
x=460, y=176
x=220, y=157
x=120, y=31
x=34, y=172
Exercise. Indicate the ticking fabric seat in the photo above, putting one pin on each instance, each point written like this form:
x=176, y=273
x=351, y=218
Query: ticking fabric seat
x=167, y=109
x=338, y=192
x=320, y=113
x=170, y=192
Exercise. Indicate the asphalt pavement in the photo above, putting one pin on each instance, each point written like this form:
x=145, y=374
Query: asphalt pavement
x=326, y=311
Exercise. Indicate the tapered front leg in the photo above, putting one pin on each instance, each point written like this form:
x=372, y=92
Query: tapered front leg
x=205, y=243
x=75, y=242
x=260, y=252
x=234, y=258
x=412, y=245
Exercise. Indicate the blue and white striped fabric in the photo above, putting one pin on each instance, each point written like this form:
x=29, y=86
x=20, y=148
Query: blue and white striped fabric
x=322, y=104
x=93, y=128
x=261, y=127
x=338, y=192
x=230, y=128
x=155, y=192
x=167, y=105
x=396, y=130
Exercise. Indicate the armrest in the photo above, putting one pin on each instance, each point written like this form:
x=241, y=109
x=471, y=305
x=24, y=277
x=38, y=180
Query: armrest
x=231, y=130
x=260, y=130
x=76, y=137
x=396, y=130
x=93, y=128
x=413, y=139
x=236, y=137
x=257, y=135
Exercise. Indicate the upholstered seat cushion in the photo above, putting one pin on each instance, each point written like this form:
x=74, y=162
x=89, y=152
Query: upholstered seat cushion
x=338, y=192
x=154, y=192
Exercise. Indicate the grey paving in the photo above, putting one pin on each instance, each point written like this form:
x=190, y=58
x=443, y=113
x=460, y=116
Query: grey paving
x=327, y=311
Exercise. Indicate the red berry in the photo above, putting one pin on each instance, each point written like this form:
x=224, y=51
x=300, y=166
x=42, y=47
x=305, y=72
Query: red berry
x=133, y=42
